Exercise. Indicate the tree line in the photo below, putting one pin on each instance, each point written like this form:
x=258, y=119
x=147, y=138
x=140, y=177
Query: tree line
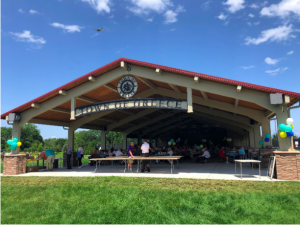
x=32, y=141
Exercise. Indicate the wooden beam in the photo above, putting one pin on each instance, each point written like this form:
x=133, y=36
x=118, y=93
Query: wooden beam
x=204, y=95
x=159, y=71
x=108, y=119
x=175, y=88
x=236, y=103
x=109, y=86
x=148, y=83
x=63, y=92
x=196, y=79
x=35, y=105
x=61, y=110
x=86, y=99
x=145, y=118
x=128, y=112
x=123, y=65
x=91, y=78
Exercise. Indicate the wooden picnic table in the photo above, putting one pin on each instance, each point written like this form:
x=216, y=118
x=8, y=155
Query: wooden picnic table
x=139, y=160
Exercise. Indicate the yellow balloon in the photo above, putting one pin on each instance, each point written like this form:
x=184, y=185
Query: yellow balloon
x=292, y=126
x=174, y=143
x=201, y=146
x=19, y=143
x=282, y=134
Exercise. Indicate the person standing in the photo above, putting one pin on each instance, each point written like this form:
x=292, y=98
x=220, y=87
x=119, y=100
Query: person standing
x=50, y=158
x=69, y=155
x=80, y=155
x=130, y=156
x=145, y=153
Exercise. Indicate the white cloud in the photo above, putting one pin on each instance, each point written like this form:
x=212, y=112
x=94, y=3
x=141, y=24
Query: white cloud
x=247, y=67
x=256, y=23
x=270, y=61
x=254, y=6
x=179, y=9
x=276, y=34
x=150, y=19
x=26, y=36
x=31, y=11
x=68, y=28
x=251, y=15
x=110, y=17
x=289, y=53
x=282, y=9
x=274, y=72
x=234, y=5
x=205, y=5
x=170, y=17
x=21, y=11
x=99, y=5
x=145, y=6
x=53, y=137
x=222, y=16
x=173, y=29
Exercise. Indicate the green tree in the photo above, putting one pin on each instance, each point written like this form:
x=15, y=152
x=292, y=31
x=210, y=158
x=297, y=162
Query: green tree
x=275, y=137
x=6, y=133
x=88, y=139
x=30, y=134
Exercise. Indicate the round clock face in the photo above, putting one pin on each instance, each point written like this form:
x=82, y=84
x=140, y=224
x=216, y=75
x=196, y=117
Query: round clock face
x=127, y=86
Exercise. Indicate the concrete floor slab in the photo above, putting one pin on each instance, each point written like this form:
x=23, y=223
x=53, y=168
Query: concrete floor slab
x=215, y=171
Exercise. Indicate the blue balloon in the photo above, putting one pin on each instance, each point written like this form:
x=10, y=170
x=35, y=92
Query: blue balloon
x=198, y=147
x=288, y=128
x=282, y=127
x=12, y=147
x=290, y=134
x=268, y=135
x=267, y=139
x=9, y=142
x=14, y=144
x=172, y=140
x=15, y=140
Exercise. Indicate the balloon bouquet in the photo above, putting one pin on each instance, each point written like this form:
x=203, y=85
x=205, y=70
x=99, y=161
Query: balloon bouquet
x=287, y=130
x=14, y=143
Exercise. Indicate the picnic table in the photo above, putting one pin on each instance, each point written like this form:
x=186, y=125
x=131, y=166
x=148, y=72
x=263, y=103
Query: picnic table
x=139, y=160
x=241, y=161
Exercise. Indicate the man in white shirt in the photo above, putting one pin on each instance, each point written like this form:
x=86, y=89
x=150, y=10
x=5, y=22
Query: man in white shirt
x=118, y=153
x=170, y=152
x=145, y=153
x=206, y=155
x=80, y=150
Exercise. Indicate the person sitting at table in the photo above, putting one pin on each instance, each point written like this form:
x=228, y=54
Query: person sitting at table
x=110, y=154
x=203, y=158
x=50, y=158
x=242, y=152
x=170, y=152
x=118, y=153
x=151, y=152
x=223, y=155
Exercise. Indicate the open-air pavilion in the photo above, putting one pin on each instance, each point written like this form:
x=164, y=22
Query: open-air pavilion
x=145, y=100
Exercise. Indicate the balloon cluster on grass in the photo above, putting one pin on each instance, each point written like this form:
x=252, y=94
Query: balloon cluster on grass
x=14, y=143
x=287, y=130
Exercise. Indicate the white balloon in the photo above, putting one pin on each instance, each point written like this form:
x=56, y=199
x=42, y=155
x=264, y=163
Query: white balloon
x=169, y=143
x=289, y=121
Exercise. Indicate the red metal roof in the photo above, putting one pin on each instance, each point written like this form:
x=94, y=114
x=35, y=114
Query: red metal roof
x=116, y=63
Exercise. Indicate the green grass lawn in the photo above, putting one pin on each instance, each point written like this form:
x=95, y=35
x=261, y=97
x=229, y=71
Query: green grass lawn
x=44, y=200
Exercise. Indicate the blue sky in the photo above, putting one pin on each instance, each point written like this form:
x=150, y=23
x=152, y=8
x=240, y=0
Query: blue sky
x=46, y=44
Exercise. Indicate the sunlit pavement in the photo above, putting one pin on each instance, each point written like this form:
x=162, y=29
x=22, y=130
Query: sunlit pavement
x=216, y=171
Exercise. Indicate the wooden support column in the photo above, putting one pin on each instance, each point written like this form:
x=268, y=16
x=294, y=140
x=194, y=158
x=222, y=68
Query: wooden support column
x=285, y=144
x=103, y=140
x=257, y=136
x=16, y=133
x=251, y=138
x=189, y=100
x=73, y=106
x=71, y=138
x=266, y=129
x=124, y=141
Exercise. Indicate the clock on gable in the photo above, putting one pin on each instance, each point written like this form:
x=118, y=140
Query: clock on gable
x=127, y=86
